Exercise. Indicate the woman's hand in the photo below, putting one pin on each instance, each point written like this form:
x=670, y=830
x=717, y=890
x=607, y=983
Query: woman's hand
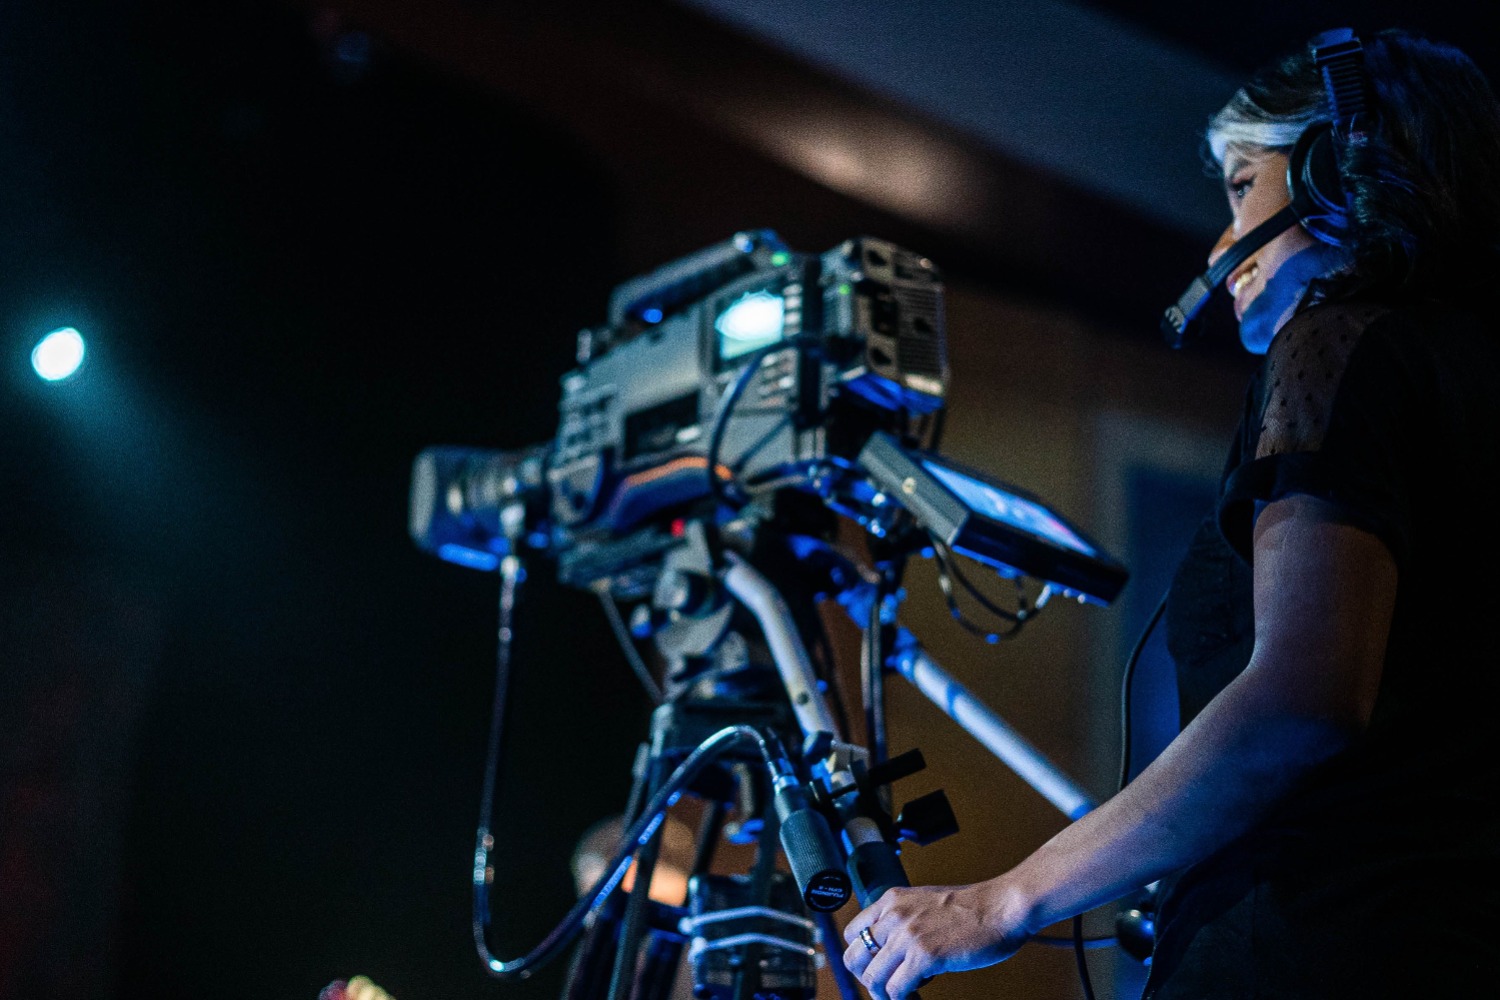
x=358, y=988
x=931, y=929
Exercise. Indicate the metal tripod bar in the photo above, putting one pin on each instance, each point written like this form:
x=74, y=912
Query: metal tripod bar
x=911, y=661
x=765, y=602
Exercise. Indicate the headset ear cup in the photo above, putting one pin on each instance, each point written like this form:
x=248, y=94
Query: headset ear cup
x=1316, y=187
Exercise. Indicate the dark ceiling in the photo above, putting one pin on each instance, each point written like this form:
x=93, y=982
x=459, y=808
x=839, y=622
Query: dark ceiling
x=1052, y=151
x=1242, y=37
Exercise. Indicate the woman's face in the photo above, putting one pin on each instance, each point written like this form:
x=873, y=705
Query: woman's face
x=1266, y=288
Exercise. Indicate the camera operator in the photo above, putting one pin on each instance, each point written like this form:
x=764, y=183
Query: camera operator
x=1326, y=821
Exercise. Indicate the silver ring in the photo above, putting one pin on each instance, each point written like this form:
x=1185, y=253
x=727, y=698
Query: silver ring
x=871, y=945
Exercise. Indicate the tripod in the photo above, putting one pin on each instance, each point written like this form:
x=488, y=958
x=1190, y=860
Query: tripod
x=740, y=688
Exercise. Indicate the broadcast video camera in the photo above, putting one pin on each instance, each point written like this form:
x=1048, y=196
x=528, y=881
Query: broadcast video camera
x=744, y=357
x=735, y=403
x=774, y=370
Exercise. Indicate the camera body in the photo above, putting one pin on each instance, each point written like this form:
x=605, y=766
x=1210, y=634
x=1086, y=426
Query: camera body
x=742, y=362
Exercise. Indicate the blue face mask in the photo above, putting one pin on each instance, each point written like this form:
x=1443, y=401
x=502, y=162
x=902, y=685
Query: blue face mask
x=1279, y=299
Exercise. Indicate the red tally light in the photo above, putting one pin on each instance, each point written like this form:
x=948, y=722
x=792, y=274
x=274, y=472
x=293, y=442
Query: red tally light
x=679, y=527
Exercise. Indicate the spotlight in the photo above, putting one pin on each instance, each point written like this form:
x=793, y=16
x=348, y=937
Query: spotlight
x=58, y=355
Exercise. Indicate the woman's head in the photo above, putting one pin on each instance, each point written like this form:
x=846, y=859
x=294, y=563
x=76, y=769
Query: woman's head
x=1423, y=176
x=1268, y=287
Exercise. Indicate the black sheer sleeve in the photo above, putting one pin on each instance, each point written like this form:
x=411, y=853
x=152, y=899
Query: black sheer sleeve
x=1342, y=410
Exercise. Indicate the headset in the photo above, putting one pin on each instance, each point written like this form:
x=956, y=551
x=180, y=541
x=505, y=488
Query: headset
x=1319, y=202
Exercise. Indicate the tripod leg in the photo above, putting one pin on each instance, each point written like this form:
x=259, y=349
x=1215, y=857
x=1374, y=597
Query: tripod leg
x=747, y=979
x=638, y=907
x=878, y=635
x=661, y=967
x=710, y=829
x=589, y=970
x=588, y=974
x=842, y=977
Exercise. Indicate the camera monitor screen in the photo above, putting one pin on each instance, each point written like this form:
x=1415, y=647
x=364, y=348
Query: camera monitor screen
x=752, y=321
x=991, y=522
x=1007, y=507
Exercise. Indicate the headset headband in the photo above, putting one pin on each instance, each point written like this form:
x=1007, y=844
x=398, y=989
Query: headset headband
x=1340, y=57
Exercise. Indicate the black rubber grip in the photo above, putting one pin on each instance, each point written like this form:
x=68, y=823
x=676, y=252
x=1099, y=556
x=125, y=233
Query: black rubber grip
x=815, y=861
x=876, y=867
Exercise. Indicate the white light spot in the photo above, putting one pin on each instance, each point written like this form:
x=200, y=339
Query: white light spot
x=755, y=318
x=58, y=355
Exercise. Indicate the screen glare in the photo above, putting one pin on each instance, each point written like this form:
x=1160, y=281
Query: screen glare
x=754, y=320
x=1010, y=509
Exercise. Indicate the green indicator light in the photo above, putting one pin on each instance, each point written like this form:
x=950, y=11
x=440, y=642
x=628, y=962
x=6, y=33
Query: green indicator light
x=846, y=289
x=779, y=258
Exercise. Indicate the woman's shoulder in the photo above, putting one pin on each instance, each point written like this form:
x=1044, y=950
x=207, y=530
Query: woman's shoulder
x=1315, y=347
x=1337, y=326
x=1333, y=326
x=1305, y=369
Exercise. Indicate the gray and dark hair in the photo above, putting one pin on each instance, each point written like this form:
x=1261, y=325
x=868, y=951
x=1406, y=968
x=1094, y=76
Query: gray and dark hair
x=1244, y=123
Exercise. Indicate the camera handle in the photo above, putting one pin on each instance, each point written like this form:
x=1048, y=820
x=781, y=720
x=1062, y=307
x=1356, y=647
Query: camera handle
x=874, y=859
x=908, y=659
x=761, y=598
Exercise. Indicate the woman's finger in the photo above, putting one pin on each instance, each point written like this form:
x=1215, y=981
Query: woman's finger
x=864, y=918
x=857, y=956
x=908, y=976
x=882, y=964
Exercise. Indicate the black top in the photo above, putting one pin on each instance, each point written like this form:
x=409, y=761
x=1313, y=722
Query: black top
x=1380, y=873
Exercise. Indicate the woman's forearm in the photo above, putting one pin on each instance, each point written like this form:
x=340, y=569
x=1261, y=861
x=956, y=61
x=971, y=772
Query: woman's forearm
x=1323, y=597
x=1207, y=788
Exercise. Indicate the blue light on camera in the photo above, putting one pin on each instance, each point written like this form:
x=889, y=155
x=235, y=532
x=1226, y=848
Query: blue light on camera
x=469, y=558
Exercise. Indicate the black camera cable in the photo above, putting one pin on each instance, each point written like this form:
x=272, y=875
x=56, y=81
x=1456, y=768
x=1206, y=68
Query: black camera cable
x=949, y=572
x=1127, y=687
x=720, y=487
x=639, y=832
x=627, y=647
